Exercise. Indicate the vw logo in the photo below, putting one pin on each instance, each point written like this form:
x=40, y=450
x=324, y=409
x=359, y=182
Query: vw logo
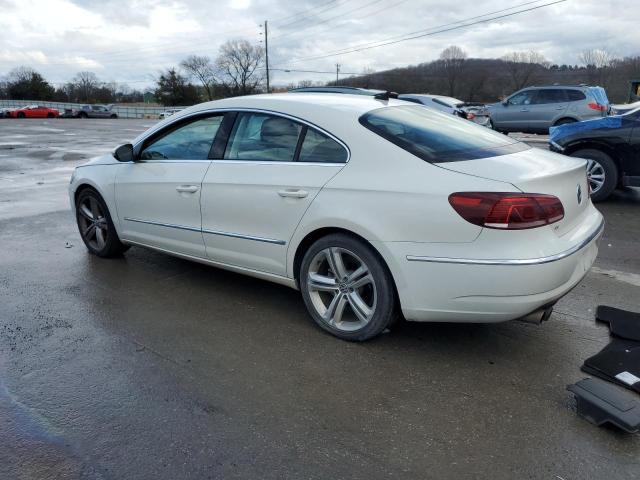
x=579, y=194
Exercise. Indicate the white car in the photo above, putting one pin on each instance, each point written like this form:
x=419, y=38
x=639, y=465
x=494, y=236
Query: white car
x=370, y=207
x=476, y=112
x=170, y=111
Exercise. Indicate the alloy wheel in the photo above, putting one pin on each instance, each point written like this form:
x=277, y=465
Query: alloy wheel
x=342, y=289
x=595, y=175
x=93, y=224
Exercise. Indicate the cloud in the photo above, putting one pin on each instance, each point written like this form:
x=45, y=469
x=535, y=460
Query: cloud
x=131, y=40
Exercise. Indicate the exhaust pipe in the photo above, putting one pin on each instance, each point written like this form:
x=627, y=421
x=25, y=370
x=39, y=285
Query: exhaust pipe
x=538, y=316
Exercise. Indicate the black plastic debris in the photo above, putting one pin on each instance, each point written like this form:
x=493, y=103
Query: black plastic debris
x=618, y=362
x=622, y=323
x=601, y=403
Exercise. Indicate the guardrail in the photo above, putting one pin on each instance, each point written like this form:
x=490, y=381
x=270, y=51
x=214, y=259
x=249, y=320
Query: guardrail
x=121, y=111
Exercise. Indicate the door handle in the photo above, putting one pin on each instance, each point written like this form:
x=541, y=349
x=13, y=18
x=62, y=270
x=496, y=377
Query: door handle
x=187, y=188
x=293, y=193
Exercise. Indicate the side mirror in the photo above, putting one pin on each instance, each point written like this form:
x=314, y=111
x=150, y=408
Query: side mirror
x=124, y=153
x=505, y=103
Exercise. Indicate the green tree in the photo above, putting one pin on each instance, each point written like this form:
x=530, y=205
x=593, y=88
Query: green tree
x=24, y=83
x=174, y=89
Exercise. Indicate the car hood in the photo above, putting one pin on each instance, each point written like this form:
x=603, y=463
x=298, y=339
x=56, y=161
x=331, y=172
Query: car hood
x=107, y=159
x=556, y=134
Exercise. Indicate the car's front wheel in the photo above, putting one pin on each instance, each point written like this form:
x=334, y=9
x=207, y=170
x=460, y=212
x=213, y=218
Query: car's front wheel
x=602, y=172
x=347, y=288
x=96, y=227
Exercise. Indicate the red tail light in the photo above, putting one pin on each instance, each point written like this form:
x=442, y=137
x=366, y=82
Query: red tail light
x=470, y=116
x=597, y=106
x=510, y=211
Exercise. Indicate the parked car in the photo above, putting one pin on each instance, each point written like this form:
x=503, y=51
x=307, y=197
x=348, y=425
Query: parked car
x=32, y=111
x=169, y=111
x=611, y=146
x=93, y=111
x=623, y=108
x=3, y=112
x=367, y=207
x=470, y=111
x=535, y=109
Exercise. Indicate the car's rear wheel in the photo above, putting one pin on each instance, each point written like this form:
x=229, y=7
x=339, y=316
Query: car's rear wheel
x=602, y=172
x=95, y=225
x=113, y=115
x=347, y=288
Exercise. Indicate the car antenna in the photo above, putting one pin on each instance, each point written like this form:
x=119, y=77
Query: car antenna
x=385, y=95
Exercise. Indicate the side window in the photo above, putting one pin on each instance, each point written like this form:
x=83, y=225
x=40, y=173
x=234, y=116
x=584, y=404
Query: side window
x=319, y=148
x=260, y=136
x=550, y=96
x=187, y=142
x=575, y=95
x=522, y=98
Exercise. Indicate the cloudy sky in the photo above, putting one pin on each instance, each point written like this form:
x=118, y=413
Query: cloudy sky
x=130, y=41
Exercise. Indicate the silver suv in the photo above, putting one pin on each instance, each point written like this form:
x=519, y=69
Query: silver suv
x=535, y=109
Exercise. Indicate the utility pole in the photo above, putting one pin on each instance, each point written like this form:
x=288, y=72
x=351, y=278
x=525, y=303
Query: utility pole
x=266, y=51
x=337, y=72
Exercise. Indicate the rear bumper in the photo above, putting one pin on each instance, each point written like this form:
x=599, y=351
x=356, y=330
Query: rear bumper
x=487, y=290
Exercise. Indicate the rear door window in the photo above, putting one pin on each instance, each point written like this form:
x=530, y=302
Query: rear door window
x=555, y=95
x=436, y=137
x=319, y=148
x=264, y=137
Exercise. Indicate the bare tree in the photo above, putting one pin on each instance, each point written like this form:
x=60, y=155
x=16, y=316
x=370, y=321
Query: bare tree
x=522, y=66
x=85, y=84
x=452, y=62
x=202, y=69
x=239, y=64
x=597, y=62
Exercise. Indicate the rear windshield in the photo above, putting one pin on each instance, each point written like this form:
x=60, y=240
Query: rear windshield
x=436, y=137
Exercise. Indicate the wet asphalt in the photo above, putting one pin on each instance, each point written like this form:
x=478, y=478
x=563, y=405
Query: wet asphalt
x=152, y=367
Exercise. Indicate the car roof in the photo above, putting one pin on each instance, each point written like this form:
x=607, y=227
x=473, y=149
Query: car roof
x=336, y=113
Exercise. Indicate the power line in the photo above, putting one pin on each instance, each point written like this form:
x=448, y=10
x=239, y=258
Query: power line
x=382, y=43
x=368, y=4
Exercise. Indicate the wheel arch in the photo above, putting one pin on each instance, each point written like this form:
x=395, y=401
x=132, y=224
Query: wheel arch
x=320, y=232
x=594, y=145
x=87, y=183
x=564, y=117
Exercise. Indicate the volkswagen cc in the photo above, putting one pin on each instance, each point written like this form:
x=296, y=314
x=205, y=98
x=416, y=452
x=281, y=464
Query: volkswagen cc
x=373, y=208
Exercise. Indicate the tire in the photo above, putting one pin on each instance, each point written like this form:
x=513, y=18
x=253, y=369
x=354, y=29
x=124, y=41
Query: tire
x=50, y=115
x=20, y=115
x=363, y=306
x=113, y=115
x=83, y=115
x=492, y=126
x=564, y=121
x=96, y=227
x=600, y=167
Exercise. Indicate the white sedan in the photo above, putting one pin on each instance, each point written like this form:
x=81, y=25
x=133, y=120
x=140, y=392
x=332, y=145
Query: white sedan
x=372, y=208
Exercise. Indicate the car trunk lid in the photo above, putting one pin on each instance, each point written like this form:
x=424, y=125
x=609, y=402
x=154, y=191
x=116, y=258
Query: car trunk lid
x=537, y=171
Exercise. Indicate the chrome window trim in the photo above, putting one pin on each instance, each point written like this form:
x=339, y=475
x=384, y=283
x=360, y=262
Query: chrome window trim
x=251, y=110
x=268, y=162
x=204, y=230
x=512, y=262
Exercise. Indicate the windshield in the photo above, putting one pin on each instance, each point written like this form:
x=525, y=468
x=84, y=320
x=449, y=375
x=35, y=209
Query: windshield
x=437, y=137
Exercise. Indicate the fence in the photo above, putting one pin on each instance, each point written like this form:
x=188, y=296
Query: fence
x=122, y=112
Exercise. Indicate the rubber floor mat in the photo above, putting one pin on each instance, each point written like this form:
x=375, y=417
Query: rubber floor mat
x=622, y=323
x=618, y=362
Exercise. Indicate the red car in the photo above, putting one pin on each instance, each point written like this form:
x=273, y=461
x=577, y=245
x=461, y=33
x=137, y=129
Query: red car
x=33, y=111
